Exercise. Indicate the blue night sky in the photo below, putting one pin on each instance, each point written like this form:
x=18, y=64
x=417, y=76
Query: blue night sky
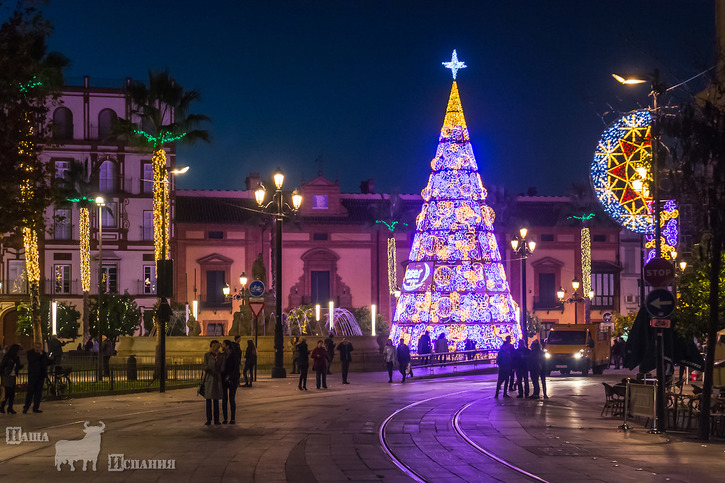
x=357, y=87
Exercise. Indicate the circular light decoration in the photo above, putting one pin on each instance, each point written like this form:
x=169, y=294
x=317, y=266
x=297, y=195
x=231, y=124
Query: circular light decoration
x=622, y=171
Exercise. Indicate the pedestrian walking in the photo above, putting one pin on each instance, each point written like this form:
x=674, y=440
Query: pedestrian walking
x=521, y=355
x=319, y=364
x=389, y=358
x=250, y=362
x=403, y=356
x=345, y=349
x=304, y=363
x=213, y=390
x=424, y=347
x=37, y=372
x=330, y=348
x=504, y=361
x=9, y=368
x=441, y=347
x=230, y=380
x=536, y=365
x=295, y=355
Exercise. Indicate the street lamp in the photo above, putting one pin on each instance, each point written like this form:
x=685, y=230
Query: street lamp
x=100, y=203
x=278, y=211
x=238, y=295
x=523, y=247
x=575, y=298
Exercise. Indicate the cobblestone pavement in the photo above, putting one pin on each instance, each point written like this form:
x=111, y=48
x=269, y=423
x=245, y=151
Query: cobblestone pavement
x=433, y=429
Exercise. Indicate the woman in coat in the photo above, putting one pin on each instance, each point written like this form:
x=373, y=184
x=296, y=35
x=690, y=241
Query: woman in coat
x=303, y=363
x=389, y=358
x=213, y=366
x=319, y=364
x=9, y=368
x=250, y=361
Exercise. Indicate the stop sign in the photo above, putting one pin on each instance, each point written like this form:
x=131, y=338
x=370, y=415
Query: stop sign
x=659, y=272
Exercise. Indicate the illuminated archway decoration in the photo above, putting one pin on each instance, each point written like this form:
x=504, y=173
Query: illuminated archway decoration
x=455, y=283
x=670, y=233
x=621, y=171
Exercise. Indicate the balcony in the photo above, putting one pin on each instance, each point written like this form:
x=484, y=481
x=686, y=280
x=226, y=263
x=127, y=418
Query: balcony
x=547, y=304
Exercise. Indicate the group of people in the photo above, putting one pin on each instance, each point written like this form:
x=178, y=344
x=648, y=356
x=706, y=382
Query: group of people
x=221, y=377
x=322, y=357
x=38, y=362
x=619, y=347
x=515, y=365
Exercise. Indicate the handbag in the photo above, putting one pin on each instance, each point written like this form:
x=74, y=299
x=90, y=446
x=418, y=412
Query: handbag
x=202, y=386
x=7, y=381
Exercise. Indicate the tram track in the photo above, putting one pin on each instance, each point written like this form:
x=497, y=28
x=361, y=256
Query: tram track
x=419, y=475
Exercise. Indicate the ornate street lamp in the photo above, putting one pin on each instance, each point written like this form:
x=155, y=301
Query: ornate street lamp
x=278, y=210
x=575, y=298
x=523, y=247
x=100, y=203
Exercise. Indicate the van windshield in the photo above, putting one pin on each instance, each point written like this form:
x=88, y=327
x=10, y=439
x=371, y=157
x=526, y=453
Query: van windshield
x=567, y=337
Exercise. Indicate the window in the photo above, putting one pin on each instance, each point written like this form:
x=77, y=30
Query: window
x=62, y=228
x=61, y=279
x=16, y=282
x=147, y=177
x=320, y=287
x=110, y=278
x=319, y=236
x=214, y=286
x=106, y=120
x=148, y=225
x=603, y=286
x=107, y=177
x=61, y=169
x=215, y=235
x=319, y=202
x=546, y=237
x=599, y=238
x=213, y=329
x=62, y=123
x=547, y=290
x=110, y=215
x=149, y=279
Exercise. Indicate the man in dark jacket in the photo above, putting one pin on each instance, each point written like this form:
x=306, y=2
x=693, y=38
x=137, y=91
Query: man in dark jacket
x=504, y=361
x=345, y=348
x=521, y=356
x=403, y=356
x=37, y=371
x=424, y=347
x=55, y=347
x=304, y=364
x=330, y=348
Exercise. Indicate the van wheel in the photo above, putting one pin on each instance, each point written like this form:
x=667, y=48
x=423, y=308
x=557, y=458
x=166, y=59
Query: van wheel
x=598, y=370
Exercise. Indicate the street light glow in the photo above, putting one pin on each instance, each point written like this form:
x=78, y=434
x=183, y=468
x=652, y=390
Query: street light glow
x=259, y=194
x=296, y=200
x=332, y=314
x=278, y=178
x=628, y=81
x=372, y=318
x=179, y=170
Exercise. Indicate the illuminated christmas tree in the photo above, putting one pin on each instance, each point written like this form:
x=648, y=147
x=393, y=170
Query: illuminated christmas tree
x=455, y=282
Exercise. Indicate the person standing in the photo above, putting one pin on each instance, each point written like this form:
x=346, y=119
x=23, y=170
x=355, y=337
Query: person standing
x=55, y=348
x=535, y=364
x=503, y=359
x=109, y=348
x=441, y=347
x=424, y=347
x=521, y=355
x=10, y=364
x=469, y=346
x=250, y=361
x=389, y=358
x=403, y=356
x=330, y=348
x=37, y=371
x=230, y=380
x=345, y=349
x=304, y=363
x=295, y=355
x=319, y=364
x=213, y=366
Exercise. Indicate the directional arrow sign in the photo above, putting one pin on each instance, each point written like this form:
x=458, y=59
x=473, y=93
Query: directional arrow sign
x=660, y=303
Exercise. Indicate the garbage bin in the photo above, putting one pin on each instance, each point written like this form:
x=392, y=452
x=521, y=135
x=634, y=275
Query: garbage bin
x=131, y=368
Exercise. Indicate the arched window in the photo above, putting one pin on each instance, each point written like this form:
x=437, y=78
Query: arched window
x=107, y=177
x=106, y=120
x=62, y=123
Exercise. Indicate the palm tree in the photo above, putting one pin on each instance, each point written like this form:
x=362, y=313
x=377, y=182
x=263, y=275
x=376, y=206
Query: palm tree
x=160, y=116
x=76, y=187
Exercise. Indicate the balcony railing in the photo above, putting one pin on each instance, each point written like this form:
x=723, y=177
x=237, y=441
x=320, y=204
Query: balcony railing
x=547, y=304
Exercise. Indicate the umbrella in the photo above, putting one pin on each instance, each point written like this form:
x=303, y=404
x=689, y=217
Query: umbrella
x=640, y=348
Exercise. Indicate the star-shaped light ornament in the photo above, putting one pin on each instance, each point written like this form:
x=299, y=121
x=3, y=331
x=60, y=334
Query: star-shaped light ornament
x=454, y=64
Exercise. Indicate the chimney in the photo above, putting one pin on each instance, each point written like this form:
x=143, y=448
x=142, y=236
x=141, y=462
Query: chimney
x=252, y=181
x=367, y=187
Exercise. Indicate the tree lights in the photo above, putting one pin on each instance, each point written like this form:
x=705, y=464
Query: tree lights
x=455, y=283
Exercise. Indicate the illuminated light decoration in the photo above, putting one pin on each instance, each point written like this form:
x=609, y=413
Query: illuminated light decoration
x=454, y=64
x=392, y=266
x=32, y=258
x=670, y=232
x=160, y=204
x=586, y=244
x=621, y=171
x=84, y=233
x=161, y=139
x=455, y=283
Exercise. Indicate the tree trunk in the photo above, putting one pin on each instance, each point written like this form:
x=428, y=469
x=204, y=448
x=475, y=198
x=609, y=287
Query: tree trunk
x=705, y=404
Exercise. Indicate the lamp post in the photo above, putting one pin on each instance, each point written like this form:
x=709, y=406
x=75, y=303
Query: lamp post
x=523, y=247
x=575, y=298
x=278, y=211
x=100, y=203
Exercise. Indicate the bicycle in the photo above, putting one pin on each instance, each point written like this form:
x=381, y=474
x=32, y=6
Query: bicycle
x=58, y=381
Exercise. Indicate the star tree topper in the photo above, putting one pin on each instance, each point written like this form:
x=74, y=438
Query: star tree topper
x=454, y=65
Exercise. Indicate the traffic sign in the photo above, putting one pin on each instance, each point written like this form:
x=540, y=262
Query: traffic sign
x=256, y=308
x=660, y=303
x=660, y=323
x=607, y=317
x=659, y=272
x=256, y=288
